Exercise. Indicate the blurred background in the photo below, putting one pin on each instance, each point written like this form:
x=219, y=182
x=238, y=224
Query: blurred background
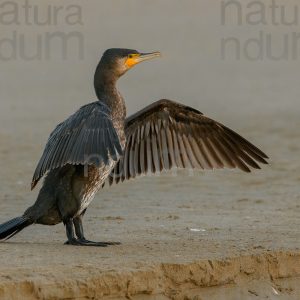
x=190, y=36
x=236, y=61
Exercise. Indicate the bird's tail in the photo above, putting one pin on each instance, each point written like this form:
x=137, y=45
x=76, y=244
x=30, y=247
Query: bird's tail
x=13, y=226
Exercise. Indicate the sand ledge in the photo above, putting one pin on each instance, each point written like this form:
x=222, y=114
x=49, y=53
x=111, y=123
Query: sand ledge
x=162, y=281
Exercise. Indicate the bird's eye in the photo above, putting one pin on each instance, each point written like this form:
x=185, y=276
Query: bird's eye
x=130, y=56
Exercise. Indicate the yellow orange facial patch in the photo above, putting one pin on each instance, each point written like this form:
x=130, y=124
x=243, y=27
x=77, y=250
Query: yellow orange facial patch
x=132, y=60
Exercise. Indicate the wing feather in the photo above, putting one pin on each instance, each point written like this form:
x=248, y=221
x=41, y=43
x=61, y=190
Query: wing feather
x=86, y=137
x=167, y=134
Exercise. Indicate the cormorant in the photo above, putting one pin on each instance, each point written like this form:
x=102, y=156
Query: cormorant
x=98, y=143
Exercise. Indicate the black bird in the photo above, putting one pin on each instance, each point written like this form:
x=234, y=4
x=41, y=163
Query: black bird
x=98, y=143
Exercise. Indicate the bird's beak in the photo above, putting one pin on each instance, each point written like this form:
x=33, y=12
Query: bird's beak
x=147, y=56
x=138, y=58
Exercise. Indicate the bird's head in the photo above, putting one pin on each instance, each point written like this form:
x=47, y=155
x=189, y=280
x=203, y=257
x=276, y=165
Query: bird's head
x=117, y=61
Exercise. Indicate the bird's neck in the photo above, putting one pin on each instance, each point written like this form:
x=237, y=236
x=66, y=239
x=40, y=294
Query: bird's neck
x=106, y=91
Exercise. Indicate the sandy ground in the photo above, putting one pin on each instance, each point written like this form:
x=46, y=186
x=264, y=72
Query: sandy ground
x=181, y=232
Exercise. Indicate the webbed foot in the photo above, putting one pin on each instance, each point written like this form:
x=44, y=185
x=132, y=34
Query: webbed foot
x=84, y=242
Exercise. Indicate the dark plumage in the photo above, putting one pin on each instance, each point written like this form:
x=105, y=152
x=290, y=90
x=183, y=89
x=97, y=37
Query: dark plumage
x=167, y=134
x=97, y=143
x=88, y=132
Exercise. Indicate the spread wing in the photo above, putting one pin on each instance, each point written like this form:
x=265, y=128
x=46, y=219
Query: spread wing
x=167, y=134
x=86, y=137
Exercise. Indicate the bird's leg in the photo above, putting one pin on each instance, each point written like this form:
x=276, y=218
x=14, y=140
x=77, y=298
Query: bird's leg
x=72, y=240
x=79, y=228
x=70, y=232
x=80, y=241
x=80, y=235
